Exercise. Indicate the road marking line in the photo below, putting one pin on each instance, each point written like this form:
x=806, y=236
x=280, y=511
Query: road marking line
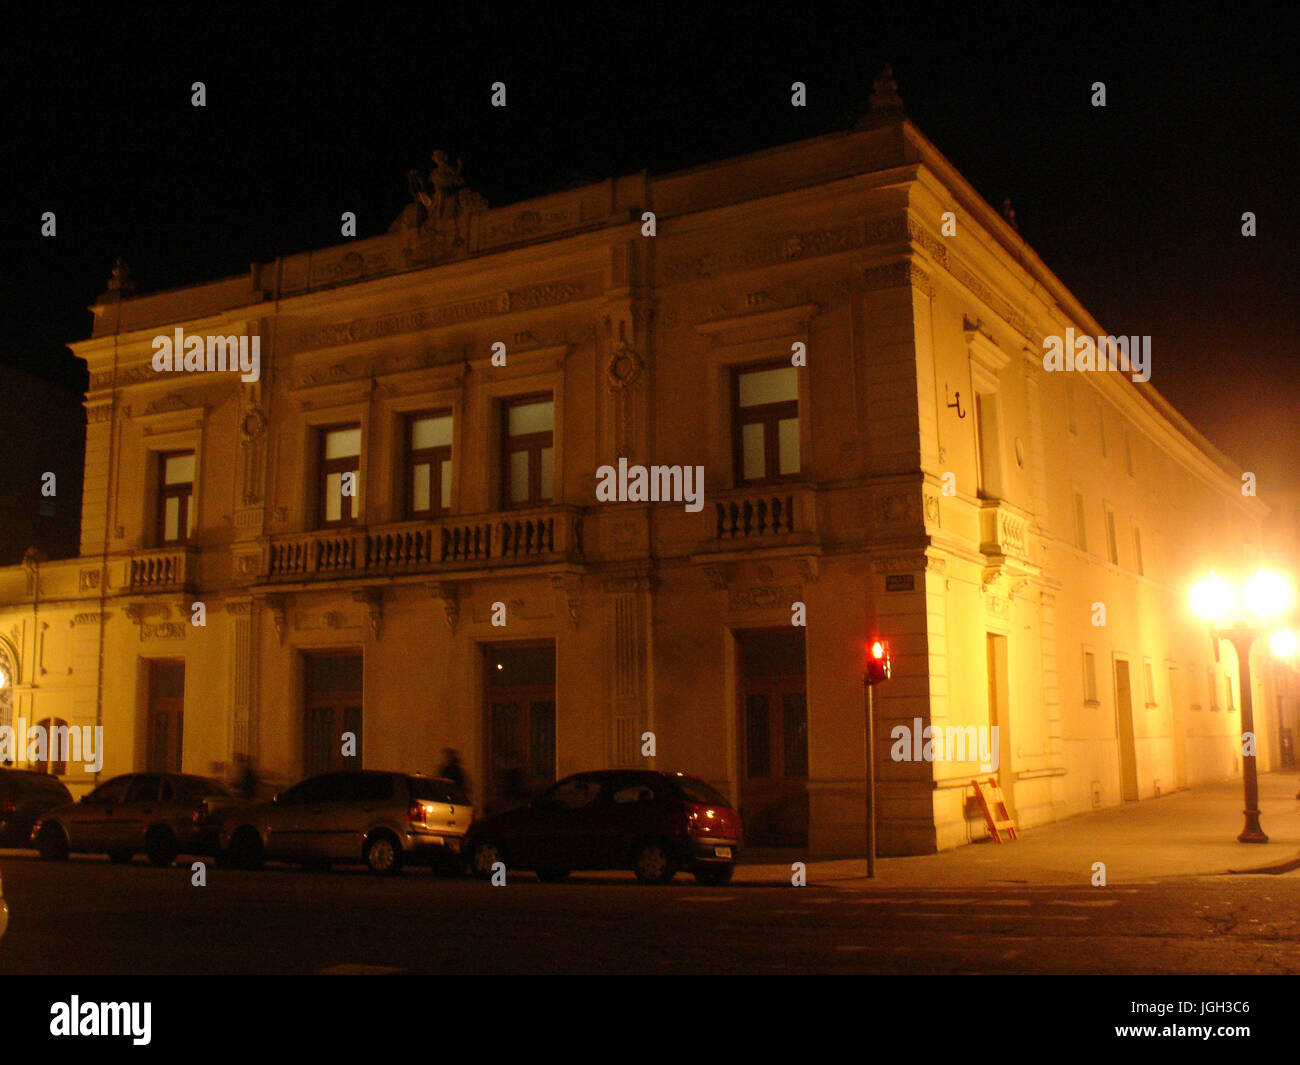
x=1002, y=916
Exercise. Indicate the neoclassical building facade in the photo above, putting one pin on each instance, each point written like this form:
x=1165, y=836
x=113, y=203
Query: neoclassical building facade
x=394, y=534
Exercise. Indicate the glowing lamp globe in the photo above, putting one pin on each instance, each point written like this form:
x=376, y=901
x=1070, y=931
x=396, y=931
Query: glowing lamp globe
x=1267, y=595
x=1284, y=643
x=1212, y=599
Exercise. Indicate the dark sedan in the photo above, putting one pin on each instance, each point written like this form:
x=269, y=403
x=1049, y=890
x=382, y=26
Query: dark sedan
x=24, y=796
x=650, y=822
x=162, y=815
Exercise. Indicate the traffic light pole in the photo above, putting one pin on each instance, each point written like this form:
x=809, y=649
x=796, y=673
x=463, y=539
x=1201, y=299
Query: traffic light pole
x=871, y=779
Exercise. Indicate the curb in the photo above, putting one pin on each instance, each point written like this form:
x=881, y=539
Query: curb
x=1284, y=866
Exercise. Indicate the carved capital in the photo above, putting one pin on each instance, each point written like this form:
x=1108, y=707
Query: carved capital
x=570, y=586
x=449, y=593
x=373, y=599
x=276, y=604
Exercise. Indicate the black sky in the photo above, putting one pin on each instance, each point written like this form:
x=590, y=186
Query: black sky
x=312, y=111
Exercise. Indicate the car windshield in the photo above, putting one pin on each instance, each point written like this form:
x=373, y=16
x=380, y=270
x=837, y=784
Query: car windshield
x=436, y=791
x=693, y=790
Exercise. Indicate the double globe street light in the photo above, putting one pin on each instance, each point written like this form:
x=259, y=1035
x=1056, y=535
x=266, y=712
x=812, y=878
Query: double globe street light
x=1240, y=616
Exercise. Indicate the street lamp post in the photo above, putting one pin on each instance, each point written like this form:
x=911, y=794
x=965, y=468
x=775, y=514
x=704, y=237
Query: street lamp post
x=1242, y=638
x=878, y=670
x=1241, y=619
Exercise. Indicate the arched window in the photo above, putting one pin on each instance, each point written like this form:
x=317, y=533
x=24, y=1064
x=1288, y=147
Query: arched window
x=8, y=676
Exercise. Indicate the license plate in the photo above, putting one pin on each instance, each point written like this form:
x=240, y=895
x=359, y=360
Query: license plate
x=722, y=852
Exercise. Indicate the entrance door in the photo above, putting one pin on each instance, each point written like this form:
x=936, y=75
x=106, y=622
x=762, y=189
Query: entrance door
x=166, y=729
x=520, y=713
x=332, y=719
x=1124, y=724
x=773, y=736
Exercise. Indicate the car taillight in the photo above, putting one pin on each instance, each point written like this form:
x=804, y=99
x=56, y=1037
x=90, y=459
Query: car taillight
x=201, y=814
x=707, y=820
x=416, y=813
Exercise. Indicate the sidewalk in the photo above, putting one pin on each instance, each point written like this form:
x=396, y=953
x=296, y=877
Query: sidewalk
x=1188, y=833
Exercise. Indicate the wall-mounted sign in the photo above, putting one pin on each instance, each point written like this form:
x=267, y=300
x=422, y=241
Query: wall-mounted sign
x=900, y=582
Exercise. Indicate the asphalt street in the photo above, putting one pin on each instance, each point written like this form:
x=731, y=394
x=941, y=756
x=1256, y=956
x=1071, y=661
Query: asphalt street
x=86, y=916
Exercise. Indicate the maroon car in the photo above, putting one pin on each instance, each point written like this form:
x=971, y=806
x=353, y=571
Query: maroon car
x=653, y=823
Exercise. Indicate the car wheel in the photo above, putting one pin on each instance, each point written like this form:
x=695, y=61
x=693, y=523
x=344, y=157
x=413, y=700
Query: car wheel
x=551, y=874
x=654, y=863
x=52, y=844
x=485, y=854
x=383, y=854
x=246, y=849
x=120, y=857
x=161, y=847
x=714, y=875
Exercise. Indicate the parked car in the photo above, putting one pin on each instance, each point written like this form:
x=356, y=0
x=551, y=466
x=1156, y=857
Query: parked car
x=162, y=815
x=651, y=822
x=382, y=819
x=24, y=796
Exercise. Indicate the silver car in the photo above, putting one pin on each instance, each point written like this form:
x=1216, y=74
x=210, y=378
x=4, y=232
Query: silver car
x=381, y=819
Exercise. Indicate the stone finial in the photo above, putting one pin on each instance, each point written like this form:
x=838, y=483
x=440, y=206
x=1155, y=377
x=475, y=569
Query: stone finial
x=885, y=105
x=884, y=94
x=120, y=281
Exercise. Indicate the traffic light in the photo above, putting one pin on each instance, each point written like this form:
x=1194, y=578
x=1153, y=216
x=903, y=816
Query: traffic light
x=877, y=662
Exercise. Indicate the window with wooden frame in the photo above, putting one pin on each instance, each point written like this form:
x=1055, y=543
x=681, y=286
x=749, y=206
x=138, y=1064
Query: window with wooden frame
x=765, y=422
x=528, y=450
x=175, y=521
x=428, y=464
x=339, y=475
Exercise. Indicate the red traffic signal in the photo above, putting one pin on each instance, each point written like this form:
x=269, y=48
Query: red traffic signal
x=877, y=662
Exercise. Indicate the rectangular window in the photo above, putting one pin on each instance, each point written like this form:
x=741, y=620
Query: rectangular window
x=1080, y=523
x=1112, y=540
x=428, y=464
x=1090, y=678
x=339, y=485
x=175, y=497
x=765, y=423
x=528, y=451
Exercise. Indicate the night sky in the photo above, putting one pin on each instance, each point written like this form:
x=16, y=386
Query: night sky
x=1136, y=206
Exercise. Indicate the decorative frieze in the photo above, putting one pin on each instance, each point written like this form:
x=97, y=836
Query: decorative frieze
x=528, y=297
x=762, y=597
